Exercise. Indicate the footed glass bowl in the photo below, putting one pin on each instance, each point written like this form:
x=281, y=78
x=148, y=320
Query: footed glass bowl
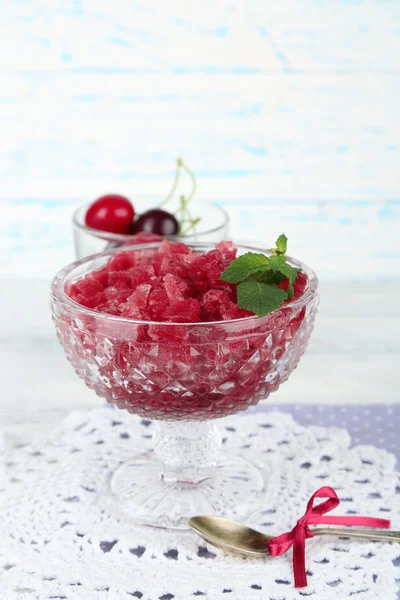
x=184, y=376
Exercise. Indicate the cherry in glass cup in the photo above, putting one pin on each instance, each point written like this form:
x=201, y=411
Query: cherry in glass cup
x=212, y=227
x=185, y=377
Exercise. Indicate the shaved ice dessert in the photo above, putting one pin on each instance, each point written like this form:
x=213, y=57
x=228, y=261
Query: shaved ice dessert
x=171, y=283
x=156, y=331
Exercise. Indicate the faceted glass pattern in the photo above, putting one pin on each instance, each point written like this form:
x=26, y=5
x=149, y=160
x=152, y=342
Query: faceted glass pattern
x=170, y=371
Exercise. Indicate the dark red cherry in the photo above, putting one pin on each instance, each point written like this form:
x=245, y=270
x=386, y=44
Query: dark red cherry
x=157, y=221
x=112, y=212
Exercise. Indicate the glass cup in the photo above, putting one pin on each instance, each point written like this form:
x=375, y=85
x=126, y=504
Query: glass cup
x=213, y=227
x=185, y=377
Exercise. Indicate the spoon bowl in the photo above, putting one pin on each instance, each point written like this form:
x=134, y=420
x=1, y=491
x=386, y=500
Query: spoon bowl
x=231, y=536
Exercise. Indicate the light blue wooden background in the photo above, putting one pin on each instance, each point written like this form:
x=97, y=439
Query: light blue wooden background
x=288, y=111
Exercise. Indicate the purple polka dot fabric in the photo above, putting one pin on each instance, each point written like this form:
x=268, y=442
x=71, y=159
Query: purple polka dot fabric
x=376, y=424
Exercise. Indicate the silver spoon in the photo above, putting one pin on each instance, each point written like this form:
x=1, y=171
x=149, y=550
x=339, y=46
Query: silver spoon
x=239, y=539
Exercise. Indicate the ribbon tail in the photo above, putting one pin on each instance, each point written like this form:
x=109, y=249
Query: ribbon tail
x=299, y=563
x=348, y=521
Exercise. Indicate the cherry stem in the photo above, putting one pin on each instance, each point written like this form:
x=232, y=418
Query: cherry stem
x=193, y=178
x=183, y=210
x=192, y=225
x=179, y=164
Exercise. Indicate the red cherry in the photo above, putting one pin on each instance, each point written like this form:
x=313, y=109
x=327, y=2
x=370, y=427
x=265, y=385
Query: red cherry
x=111, y=213
x=157, y=221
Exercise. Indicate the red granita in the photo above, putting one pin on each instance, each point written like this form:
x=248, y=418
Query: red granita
x=169, y=248
x=140, y=296
x=213, y=300
x=121, y=261
x=300, y=285
x=142, y=274
x=86, y=287
x=227, y=250
x=143, y=237
x=183, y=311
x=230, y=310
x=175, y=287
x=179, y=284
x=115, y=276
x=158, y=300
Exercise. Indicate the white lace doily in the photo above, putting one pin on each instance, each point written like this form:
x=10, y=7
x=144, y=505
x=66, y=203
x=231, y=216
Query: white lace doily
x=57, y=541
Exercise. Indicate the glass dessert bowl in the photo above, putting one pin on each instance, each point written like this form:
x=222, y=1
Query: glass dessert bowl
x=183, y=375
x=213, y=226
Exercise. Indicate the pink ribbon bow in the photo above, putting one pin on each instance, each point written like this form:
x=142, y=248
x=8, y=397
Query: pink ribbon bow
x=301, y=531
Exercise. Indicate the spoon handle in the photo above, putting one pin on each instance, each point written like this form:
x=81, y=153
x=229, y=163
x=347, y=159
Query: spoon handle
x=371, y=534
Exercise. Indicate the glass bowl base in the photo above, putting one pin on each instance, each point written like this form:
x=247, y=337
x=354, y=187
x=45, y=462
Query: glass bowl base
x=146, y=493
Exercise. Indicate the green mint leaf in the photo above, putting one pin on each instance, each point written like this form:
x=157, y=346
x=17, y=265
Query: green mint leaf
x=271, y=277
x=245, y=265
x=261, y=298
x=290, y=290
x=278, y=263
x=281, y=244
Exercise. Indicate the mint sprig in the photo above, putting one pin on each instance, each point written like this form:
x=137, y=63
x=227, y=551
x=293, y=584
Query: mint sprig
x=258, y=276
x=245, y=265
